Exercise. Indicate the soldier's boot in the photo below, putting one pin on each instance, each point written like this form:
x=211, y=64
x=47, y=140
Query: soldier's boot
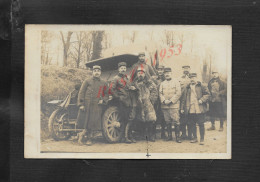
x=163, y=131
x=212, y=125
x=132, y=138
x=146, y=131
x=221, y=125
x=127, y=128
x=169, y=131
x=89, y=138
x=189, y=131
x=177, y=133
x=81, y=137
x=130, y=133
x=89, y=142
x=151, y=132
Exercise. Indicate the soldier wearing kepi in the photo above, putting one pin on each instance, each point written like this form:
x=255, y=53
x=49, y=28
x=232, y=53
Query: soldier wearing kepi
x=159, y=113
x=170, y=92
x=194, y=104
x=217, y=90
x=184, y=81
x=90, y=100
x=141, y=64
x=125, y=92
x=147, y=96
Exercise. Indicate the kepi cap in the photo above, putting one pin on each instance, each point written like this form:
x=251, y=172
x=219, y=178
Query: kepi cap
x=185, y=66
x=121, y=64
x=96, y=67
x=140, y=69
x=214, y=72
x=141, y=53
x=160, y=67
x=167, y=69
x=193, y=75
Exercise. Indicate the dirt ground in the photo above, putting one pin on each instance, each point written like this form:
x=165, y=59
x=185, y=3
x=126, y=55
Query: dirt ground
x=215, y=142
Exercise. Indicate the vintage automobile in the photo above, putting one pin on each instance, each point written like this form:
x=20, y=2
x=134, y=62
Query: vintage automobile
x=63, y=121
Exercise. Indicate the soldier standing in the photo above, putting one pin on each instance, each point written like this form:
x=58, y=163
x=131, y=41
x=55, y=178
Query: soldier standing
x=159, y=113
x=147, y=96
x=170, y=92
x=125, y=92
x=142, y=65
x=90, y=103
x=217, y=90
x=194, y=104
x=184, y=81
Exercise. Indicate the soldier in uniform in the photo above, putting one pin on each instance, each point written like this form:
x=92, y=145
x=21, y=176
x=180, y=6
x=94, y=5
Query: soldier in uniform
x=147, y=96
x=159, y=113
x=125, y=92
x=184, y=81
x=170, y=93
x=194, y=104
x=90, y=100
x=217, y=90
x=142, y=65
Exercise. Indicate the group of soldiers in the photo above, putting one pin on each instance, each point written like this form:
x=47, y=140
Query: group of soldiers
x=154, y=97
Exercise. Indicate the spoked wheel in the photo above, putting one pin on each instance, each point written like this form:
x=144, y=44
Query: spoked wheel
x=55, y=126
x=113, y=129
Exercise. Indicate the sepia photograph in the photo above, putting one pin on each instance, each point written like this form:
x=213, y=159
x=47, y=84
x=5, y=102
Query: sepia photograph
x=128, y=91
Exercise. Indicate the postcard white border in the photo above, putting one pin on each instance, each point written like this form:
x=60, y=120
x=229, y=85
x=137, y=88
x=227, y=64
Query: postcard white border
x=33, y=89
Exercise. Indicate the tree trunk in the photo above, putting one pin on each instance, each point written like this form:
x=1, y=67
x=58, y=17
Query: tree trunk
x=97, y=46
x=66, y=46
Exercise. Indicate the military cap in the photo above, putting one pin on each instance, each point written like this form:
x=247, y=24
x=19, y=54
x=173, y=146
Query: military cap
x=141, y=53
x=121, y=64
x=160, y=67
x=185, y=66
x=193, y=75
x=140, y=69
x=214, y=72
x=167, y=69
x=96, y=67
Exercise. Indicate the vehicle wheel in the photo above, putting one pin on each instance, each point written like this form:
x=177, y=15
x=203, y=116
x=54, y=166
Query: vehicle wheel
x=54, y=126
x=113, y=130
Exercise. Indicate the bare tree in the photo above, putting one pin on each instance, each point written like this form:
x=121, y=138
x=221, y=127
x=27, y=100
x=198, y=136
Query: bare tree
x=46, y=37
x=207, y=65
x=77, y=54
x=181, y=38
x=88, y=45
x=97, y=44
x=169, y=38
x=66, y=46
x=133, y=36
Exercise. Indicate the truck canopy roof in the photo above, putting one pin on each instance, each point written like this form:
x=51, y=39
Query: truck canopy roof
x=111, y=63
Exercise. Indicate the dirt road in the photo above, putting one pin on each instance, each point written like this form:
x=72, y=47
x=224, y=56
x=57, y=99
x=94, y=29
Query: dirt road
x=215, y=142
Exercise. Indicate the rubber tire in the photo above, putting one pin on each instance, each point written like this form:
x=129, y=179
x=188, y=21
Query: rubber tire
x=50, y=126
x=104, y=126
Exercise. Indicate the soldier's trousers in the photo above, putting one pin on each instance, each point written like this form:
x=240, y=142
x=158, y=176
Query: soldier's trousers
x=184, y=125
x=199, y=119
x=216, y=111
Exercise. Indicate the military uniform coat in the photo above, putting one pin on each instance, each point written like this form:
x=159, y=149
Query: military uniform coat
x=89, y=95
x=120, y=90
x=149, y=71
x=202, y=93
x=147, y=96
x=170, y=90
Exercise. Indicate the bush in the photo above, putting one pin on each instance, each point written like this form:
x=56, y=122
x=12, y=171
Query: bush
x=56, y=84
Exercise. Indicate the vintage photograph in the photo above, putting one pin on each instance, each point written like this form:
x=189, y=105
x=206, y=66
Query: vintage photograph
x=128, y=91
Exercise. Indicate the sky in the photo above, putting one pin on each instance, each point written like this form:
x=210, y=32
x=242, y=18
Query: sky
x=204, y=40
